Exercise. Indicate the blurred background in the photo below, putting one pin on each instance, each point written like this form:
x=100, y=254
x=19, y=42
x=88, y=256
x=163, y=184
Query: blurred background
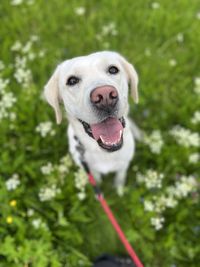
x=48, y=216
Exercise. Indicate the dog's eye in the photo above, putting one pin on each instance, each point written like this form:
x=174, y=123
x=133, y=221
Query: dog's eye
x=113, y=70
x=72, y=80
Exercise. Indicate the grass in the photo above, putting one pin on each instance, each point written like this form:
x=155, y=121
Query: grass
x=75, y=231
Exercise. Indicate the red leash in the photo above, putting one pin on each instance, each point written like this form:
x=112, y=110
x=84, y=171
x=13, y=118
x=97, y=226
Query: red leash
x=112, y=219
x=107, y=209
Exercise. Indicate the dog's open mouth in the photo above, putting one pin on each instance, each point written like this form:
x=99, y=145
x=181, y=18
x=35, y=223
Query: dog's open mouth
x=108, y=133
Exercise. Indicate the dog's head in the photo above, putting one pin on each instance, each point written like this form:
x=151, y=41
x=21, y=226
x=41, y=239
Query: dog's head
x=94, y=90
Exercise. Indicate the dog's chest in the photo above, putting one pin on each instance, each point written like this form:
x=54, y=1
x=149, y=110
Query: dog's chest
x=98, y=159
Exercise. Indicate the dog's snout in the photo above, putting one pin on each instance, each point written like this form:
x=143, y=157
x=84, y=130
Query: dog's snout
x=104, y=96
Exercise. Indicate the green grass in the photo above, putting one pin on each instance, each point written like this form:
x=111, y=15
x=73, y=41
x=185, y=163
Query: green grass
x=77, y=231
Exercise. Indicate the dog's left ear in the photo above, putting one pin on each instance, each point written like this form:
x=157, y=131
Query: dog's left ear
x=51, y=93
x=133, y=78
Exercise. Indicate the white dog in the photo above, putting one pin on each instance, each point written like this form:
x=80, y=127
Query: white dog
x=94, y=90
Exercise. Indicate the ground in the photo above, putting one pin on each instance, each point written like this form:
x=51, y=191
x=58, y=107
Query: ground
x=46, y=204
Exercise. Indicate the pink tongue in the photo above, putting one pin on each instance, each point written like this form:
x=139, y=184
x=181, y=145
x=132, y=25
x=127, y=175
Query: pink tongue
x=109, y=130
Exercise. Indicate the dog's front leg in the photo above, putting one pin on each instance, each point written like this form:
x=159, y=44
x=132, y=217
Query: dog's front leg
x=119, y=182
x=97, y=176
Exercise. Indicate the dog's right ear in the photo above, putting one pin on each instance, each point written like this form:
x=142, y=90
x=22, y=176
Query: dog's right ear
x=133, y=78
x=51, y=93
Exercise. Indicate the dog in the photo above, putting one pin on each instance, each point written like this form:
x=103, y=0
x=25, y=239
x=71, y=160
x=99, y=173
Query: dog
x=94, y=91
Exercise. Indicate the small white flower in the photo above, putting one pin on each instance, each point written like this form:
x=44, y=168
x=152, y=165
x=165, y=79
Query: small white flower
x=159, y=203
x=7, y=100
x=22, y=74
x=154, y=141
x=171, y=202
x=47, y=169
x=48, y=193
x=135, y=168
x=197, y=81
x=194, y=158
x=157, y=222
x=16, y=2
x=151, y=179
x=42, y=53
x=36, y=223
x=197, y=85
x=185, y=137
x=30, y=212
x=20, y=62
x=197, y=90
x=120, y=190
x=65, y=164
x=180, y=37
x=30, y=2
x=13, y=182
x=172, y=62
x=171, y=191
x=27, y=47
x=81, y=195
x=147, y=52
x=164, y=201
x=140, y=178
x=196, y=117
x=148, y=205
x=17, y=46
x=114, y=32
x=66, y=160
x=81, y=263
x=198, y=15
x=3, y=113
x=3, y=84
x=80, y=11
x=170, y=198
x=99, y=37
x=106, y=45
x=45, y=128
x=34, y=38
x=109, y=28
x=81, y=179
x=155, y=5
x=184, y=186
x=12, y=116
x=31, y=56
x=63, y=169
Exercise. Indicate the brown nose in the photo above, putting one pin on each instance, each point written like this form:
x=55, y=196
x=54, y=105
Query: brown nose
x=104, y=96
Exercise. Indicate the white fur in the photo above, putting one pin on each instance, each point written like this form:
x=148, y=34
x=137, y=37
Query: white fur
x=92, y=70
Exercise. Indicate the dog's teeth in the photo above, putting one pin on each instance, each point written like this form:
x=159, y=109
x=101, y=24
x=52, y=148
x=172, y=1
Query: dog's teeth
x=120, y=136
x=105, y=142
x=102, y=140
x=111, y=143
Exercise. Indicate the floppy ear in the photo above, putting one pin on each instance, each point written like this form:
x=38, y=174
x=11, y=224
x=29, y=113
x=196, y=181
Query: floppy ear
x=133, y=79
x=51, y=94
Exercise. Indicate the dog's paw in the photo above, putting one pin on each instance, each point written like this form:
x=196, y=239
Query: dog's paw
x=97, y=177
x=120, y=190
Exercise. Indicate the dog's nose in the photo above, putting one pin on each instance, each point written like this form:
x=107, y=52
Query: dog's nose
x=104, y=96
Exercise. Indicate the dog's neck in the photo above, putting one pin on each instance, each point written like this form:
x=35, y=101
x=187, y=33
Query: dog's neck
x=79, y=130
